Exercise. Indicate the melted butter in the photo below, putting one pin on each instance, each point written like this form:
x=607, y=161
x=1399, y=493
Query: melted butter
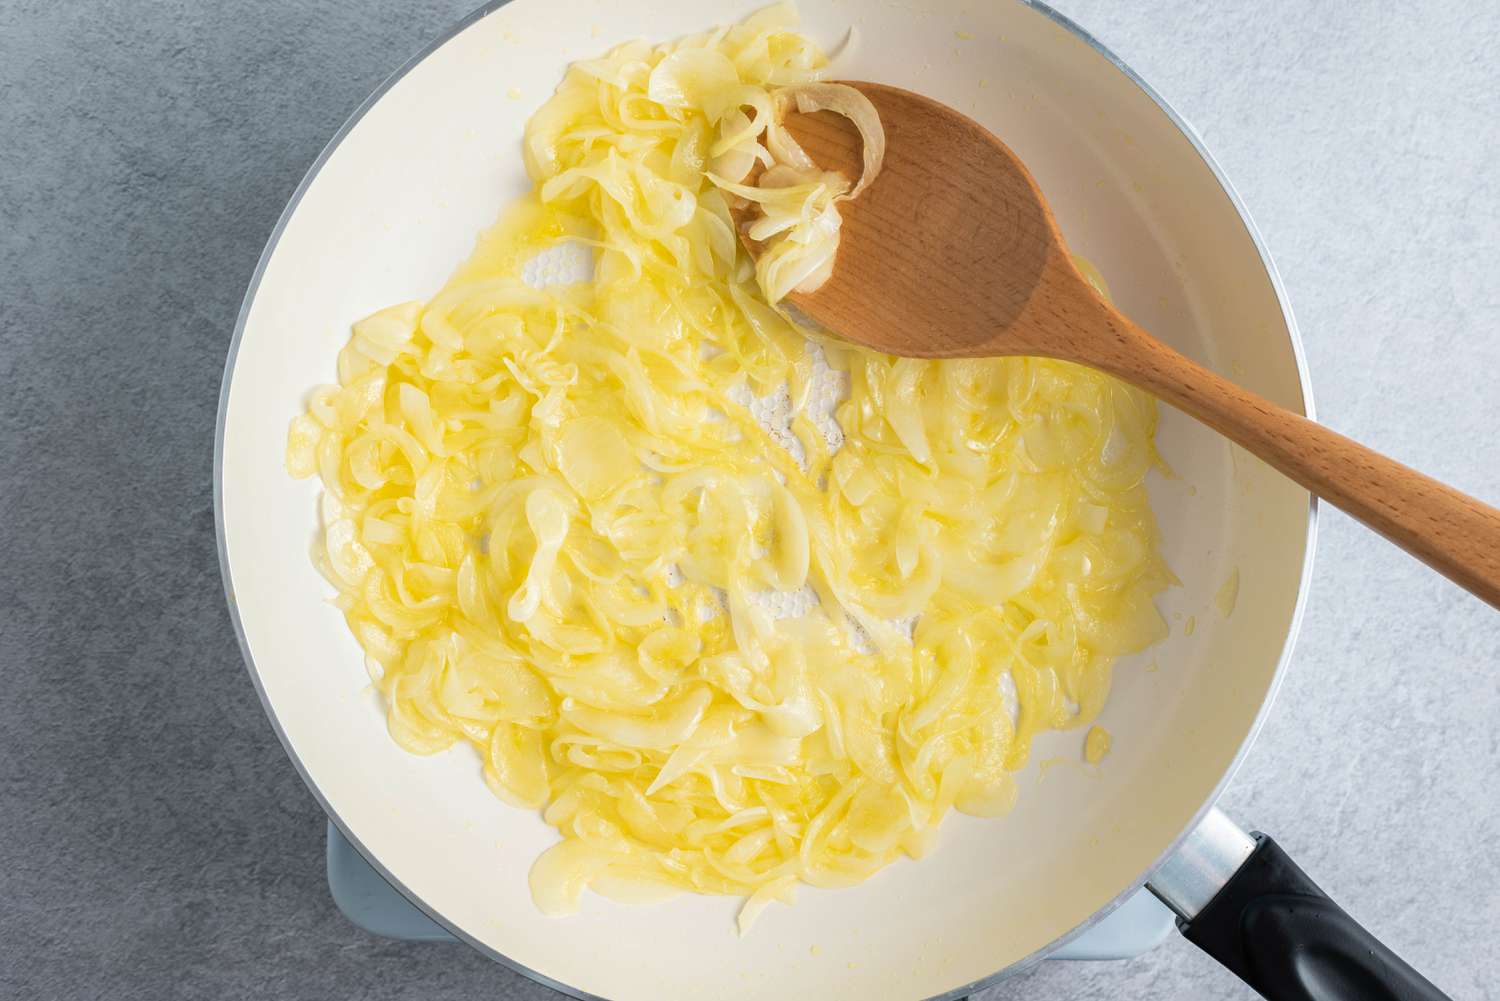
x=1092, y=275
x=1096, y=744
x=1229, y=593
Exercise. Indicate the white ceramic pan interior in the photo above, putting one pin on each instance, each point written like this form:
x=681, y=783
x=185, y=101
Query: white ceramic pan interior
x=396, y=203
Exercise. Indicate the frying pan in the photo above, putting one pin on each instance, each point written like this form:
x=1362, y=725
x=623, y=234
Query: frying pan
x=395, y=202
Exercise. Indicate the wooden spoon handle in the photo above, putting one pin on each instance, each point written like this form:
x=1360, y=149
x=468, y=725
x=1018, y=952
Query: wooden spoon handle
x=1450, y=531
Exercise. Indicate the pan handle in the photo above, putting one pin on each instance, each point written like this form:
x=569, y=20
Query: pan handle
x=1242, y=900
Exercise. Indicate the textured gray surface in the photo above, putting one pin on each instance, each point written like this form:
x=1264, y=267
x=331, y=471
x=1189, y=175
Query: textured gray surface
x=155, y=842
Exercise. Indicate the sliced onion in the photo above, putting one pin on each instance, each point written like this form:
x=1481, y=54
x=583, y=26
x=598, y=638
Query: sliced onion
x=853, y=105
x=571, y=526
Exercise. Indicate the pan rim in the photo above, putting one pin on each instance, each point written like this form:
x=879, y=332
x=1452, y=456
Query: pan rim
x=1020, y=965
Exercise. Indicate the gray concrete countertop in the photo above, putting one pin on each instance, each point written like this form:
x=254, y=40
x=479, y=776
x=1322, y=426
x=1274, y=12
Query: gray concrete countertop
x=155, y=842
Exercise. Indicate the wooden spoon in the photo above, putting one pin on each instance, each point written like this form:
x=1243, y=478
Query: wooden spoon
x=952, y=252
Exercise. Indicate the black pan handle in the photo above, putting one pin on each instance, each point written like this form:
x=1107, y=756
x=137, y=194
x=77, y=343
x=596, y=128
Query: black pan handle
x=1278, y=932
